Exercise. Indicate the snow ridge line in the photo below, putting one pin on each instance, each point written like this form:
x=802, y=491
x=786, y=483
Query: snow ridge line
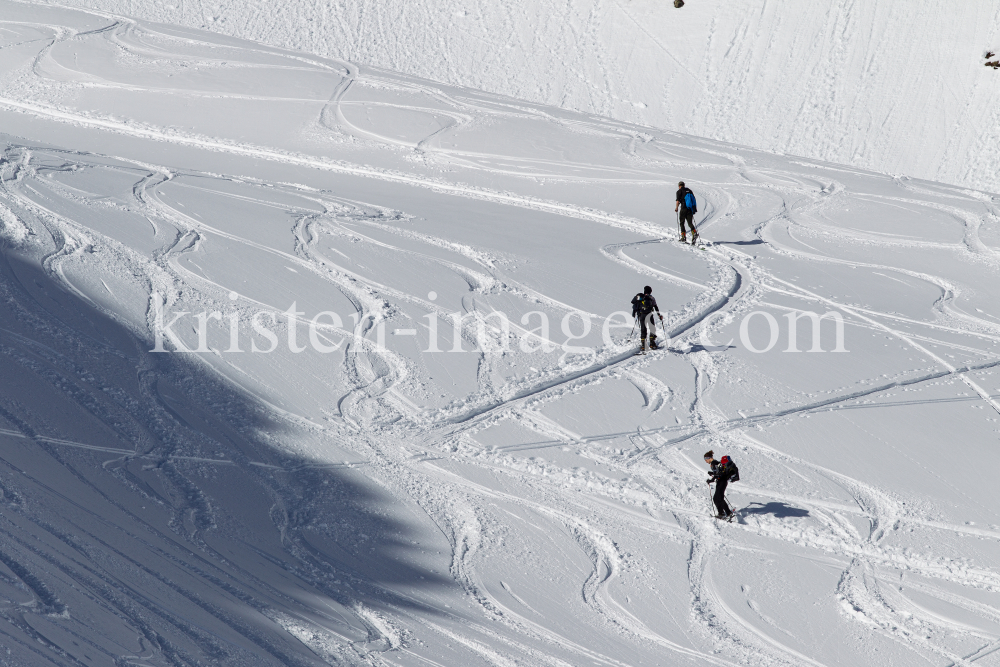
x=68, y=443
x=765, y=418
x=949, y=294
x=951, y=369
x=337, y=167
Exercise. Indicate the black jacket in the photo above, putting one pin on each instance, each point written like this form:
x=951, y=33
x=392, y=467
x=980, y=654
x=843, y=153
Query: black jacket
x=643, y=305
x=720, y=473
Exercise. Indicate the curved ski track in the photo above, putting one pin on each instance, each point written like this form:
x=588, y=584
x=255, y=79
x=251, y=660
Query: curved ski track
x=376, y=417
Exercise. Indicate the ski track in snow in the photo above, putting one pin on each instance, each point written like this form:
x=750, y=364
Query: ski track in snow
x=192, y=580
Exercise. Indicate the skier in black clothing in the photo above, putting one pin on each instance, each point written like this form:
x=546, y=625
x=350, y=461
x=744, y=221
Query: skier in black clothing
x=643, y=306
x=722, y=472
x=686, y=212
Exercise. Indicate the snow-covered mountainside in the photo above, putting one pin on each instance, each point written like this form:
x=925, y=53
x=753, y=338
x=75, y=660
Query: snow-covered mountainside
x=896, y=87
x=306, y=363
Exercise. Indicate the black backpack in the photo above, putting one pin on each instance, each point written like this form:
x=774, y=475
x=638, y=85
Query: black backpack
x=729, y=468
x=641, y=305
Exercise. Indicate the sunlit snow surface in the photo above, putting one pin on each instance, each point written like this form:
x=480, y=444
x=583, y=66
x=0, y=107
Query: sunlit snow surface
x=394, y=506
x=896, y=87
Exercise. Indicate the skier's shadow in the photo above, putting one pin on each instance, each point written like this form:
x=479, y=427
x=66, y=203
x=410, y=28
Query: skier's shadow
x=719, y=348
x=753, y=242
x=779, y=510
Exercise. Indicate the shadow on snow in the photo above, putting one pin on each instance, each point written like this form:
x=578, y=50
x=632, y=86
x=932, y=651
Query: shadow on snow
x=777, y=509
x=144, y=514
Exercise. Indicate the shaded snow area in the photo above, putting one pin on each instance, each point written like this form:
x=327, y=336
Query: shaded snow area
x=897, y=87
x=426, y=474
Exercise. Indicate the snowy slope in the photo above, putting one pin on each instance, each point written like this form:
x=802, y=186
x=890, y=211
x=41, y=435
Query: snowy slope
x=896, y=87
x=387, y=504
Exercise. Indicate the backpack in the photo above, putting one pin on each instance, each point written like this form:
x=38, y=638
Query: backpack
x=641, y=305
x=690, y=203
x=729, y=466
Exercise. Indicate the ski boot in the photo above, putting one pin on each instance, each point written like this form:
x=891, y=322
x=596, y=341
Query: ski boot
x=652, y=343
x=684, y=238
x=694, y=238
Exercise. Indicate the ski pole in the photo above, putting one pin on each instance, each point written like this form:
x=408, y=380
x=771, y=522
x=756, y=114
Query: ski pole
x=711, y=501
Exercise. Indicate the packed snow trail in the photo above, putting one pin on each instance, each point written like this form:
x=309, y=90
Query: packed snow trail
x=405, y=489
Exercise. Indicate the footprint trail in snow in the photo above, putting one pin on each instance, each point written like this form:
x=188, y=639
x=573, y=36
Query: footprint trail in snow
x=401, y=490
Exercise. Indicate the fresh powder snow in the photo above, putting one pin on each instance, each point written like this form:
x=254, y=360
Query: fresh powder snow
x=307, y=361
x=896, y=87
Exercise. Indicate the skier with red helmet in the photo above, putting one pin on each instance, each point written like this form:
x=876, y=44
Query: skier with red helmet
x=722, y=473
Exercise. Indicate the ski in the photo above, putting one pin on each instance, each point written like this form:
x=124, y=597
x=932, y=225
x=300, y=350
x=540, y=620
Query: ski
x=732, y=511
x=699, y=244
